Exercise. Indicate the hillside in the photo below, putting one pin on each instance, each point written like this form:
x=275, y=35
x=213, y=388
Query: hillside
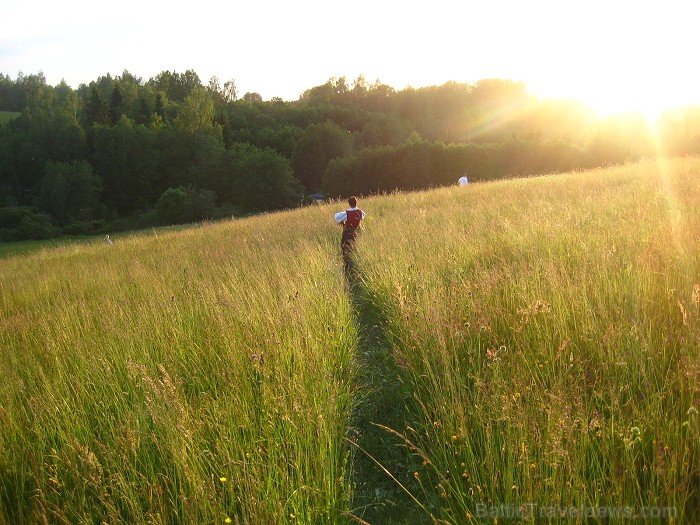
x=526, y=348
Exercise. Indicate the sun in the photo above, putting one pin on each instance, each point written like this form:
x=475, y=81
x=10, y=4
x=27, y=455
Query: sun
x=636, y=60
x=649, y=105
x=611, y=95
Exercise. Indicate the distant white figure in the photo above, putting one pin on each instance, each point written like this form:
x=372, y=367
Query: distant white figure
x=108, y=240
x=463, y=180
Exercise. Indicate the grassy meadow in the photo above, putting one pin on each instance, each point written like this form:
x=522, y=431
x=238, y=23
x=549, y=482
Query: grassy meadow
x=198, y=376
x=525, y=349
x=24, y=247
x=549, y=329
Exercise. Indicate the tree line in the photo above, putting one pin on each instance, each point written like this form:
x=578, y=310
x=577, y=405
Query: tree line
x=123, y=153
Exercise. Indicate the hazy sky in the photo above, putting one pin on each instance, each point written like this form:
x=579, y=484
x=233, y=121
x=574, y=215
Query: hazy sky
x=613, y=54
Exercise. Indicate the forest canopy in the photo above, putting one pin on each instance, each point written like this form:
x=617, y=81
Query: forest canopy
x=123, y=153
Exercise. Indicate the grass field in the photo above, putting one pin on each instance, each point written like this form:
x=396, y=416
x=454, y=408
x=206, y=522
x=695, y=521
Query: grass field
x=549, y=329
x=524, y=349
x=25, y=247
x=194, y=377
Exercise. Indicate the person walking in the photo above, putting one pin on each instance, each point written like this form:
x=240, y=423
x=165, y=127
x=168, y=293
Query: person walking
x=350, y=220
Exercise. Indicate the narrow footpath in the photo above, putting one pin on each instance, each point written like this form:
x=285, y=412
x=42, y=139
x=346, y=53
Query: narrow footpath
x=378, y=498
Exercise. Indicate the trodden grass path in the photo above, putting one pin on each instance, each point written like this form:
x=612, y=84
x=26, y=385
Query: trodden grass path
x=383, y=465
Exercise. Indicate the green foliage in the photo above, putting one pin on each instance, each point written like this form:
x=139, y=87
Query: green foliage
x=282, y=139
x=124, y=159
x=252, y=97
x=116, y=105
x=180, y=205
x=24, y=223
x=51, y=124
x=196, y=112
x=8, y=116
x=97, y=107
x=189, y=157
x=69, y=191
x=261, y=179
x=172, y=207
x=384, y=130
x=419, y=164
x=11, y=94
x=317, y=146
x=143, y=137
x=176, y=86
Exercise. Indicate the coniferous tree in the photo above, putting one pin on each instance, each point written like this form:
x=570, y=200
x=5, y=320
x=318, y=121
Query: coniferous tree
x=143, y=116
x=96, y=108
x=159, y=110
x=116, y=103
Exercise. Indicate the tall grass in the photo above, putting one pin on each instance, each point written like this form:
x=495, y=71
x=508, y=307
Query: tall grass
x=198, y=376
x=546, y=332
x=550, y=330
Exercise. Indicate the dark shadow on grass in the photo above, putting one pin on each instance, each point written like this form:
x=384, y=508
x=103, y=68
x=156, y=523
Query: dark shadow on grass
x=378, y=497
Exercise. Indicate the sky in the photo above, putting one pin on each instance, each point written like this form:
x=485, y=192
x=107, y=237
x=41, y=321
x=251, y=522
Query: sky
x=615, y=55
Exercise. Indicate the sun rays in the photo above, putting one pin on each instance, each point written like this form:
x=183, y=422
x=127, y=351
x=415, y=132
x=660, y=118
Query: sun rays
x=492, y=120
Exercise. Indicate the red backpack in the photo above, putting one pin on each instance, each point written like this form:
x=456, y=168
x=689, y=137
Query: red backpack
x=354, y=218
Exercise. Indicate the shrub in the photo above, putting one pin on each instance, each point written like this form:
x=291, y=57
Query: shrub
x=24, y=223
